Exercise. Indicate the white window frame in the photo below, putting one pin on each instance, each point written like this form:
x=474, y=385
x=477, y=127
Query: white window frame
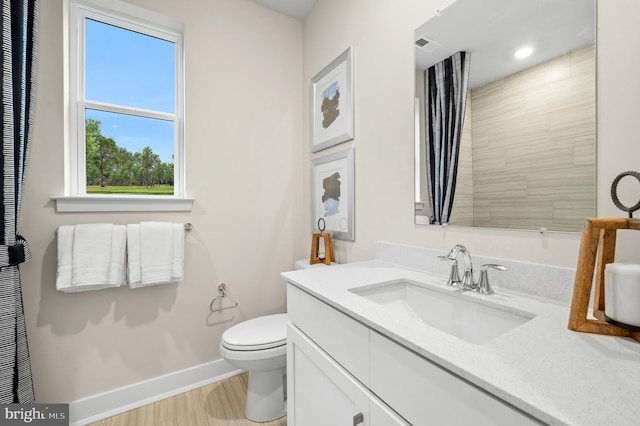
x=137, y=19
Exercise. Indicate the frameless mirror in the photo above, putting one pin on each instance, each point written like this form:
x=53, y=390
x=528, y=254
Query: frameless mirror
x=528, y=150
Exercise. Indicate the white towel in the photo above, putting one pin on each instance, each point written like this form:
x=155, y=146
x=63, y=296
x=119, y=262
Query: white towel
x=117, y=268
x=177, y=267
x=91, y=257
x=91, y=254
x=133, y=255
x=155, y=253
x=65, y=257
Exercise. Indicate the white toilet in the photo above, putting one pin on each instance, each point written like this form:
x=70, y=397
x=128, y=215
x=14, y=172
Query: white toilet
x=259, y=346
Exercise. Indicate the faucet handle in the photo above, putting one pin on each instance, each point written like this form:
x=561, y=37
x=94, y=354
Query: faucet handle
x=454, y=275
x=483, y=283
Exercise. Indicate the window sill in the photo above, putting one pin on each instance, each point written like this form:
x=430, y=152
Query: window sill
x=121, y=203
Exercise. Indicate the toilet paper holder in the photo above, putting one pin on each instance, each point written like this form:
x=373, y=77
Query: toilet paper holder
x=222, y=298
x=597, y=249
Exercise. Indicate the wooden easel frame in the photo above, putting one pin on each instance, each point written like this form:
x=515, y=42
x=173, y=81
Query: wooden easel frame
x=328, y=249
x=597, y=248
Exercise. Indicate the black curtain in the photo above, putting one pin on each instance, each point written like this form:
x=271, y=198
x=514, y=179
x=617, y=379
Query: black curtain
x=19, y=30
x=446, y=86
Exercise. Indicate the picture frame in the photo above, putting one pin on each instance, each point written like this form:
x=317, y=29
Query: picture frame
x=332, y=194
x=332, y=103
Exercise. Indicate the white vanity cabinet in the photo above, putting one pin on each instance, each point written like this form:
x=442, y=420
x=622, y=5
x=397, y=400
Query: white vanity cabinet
x=320, y=391
x=340, y=372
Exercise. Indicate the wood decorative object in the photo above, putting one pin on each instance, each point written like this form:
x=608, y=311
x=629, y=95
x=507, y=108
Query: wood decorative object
x=597, y=249
x=315, y=246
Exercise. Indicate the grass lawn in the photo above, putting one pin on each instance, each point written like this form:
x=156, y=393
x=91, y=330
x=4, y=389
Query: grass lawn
x=131, y=190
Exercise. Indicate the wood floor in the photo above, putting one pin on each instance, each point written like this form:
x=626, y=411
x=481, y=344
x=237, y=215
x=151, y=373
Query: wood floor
x=218, y=404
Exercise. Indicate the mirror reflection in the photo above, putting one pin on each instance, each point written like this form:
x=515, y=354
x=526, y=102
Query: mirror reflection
x=526, y=156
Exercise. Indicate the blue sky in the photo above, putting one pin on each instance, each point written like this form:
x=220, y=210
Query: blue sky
x=128, y=68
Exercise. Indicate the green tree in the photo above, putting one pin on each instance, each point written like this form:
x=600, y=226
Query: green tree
x=106, y=162
x=149, y=162
x=123, y=164
x=107, y=152
x=100, y=153
x=92, y=132
x=163, y=173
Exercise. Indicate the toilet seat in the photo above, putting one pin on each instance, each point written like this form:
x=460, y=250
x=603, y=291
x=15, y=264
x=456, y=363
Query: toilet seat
x=260, y=333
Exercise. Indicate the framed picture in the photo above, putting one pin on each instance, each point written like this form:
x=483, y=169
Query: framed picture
x=332, y=103
x=332, y=194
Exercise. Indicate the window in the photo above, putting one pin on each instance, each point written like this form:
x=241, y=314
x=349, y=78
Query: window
x=125, y=103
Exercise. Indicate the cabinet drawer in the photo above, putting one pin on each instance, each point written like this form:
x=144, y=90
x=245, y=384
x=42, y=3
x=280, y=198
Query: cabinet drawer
x=426, y=394
x=344, y=339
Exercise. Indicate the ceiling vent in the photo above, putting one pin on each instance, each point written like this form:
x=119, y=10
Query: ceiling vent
x=427, y=44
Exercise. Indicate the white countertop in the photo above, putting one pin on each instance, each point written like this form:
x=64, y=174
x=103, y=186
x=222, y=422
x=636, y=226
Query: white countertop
x=557, y=375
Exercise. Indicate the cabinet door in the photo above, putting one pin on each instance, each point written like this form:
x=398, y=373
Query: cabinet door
x=320, y=392
x=382, y=415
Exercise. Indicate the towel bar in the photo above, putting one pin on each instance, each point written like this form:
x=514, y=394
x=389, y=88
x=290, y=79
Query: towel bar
x=188, y=226
x=222, y=296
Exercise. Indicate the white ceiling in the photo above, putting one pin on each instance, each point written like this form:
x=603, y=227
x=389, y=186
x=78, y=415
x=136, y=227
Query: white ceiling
x=294, y=8
x=492, y=30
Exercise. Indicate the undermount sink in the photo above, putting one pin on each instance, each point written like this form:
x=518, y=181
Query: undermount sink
x=452, y=312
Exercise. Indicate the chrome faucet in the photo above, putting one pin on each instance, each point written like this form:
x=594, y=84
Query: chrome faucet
x=467, y=282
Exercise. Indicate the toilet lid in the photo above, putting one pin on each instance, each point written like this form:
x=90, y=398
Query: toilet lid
x=264, y=332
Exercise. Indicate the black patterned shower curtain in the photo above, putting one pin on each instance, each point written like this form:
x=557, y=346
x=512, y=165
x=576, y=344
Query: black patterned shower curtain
x=19, y=31
x=446, y=86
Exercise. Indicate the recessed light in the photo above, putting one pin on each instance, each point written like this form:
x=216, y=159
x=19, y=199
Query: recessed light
x=523, y=52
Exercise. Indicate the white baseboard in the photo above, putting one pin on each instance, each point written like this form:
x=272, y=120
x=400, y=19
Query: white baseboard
x=116, y=401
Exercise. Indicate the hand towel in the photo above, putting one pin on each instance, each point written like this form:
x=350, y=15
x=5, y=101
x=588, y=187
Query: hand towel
x=133, y=255
x=117, y=269
x=90, y=257
x=156, y=252
x=92, y=244
x=177, y=266
x=65, y=257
